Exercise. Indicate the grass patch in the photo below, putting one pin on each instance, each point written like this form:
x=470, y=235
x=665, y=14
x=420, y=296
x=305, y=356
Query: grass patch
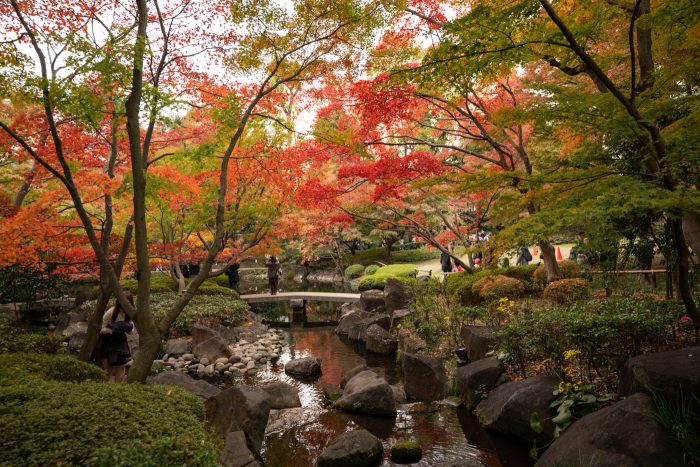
x=405, y=272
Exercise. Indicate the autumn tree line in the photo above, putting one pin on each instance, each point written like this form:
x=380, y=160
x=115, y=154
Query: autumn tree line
x=153, y=133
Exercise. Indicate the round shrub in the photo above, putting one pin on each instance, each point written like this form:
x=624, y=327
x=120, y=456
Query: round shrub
x=17, y=339
x=460, y=285
x=354, y=271
x=210, y=288
x=56, y=423
x=569, y=269
x=23, y=367
x=378, y=279
x=523, y=273
x=371, y=269
x=567, y=291
x=495, y=287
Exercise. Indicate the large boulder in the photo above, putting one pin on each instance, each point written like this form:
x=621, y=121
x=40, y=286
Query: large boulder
x=306, y=366
x=201, y=333
x=282, y=395
x=240, y=408
x=358, y=330
x=212, y=349
x=379, y=340
x=349, y=319
x=178, y=347
x=348, y=375
x=236, y=452
x=369, y=394
x=76, y=332
x=354, y=448
x=424, y=378
x=667, y=373
x=508, y=408
x=372, y=301
x=197, y=387
x=624, y=434
x=478, y=340
x=396, y=295
x=476, y=379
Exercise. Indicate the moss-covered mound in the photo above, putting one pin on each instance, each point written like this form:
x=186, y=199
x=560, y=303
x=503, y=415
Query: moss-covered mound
x=406, y=452
x=89, y=423
x=16, y=368
x=403, y=272
x=568, y=291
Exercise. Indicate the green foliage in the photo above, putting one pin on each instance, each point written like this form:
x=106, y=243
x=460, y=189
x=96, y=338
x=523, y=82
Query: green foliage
x=567, y=291
x=28, y=284
x=681, y=418
x=14, y=339
x=57, y=423
x=371, y=269
x=202, y=308
x=354, y=271
x=18, y=368
x=211, y=288
x=574, y=404
x=522, y=273
x=607, y=333
x=569, y=269
x=493, y=287
x=378, y=279
x=414, y=256
x=159, y=284
x=459, y=285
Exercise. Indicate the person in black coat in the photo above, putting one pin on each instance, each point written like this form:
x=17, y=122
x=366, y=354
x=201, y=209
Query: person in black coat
x=273, y=273
x=233, y=277
x=113, y=346
x=445, y=262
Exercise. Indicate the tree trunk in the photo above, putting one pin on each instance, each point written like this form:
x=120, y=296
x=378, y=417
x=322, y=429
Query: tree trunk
x=149, y=344
x=683, y=283
x=691, y=231
x=550, y=261
x=95, y=322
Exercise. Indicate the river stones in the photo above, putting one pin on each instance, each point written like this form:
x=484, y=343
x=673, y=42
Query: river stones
x=372, y=301
x=306, y=366
x=478, y=340
x=212, y=348
x=424, y=378
x=177, y=347
x=396, y=295
x=369, y=394
x=236, y=452
x=508, y=408
x=379, y=340
x=241, y=408
x=175, y=378
x=625, y=434
x=282, y=395
x=354, y=448
x=476, y=379
x=347, y=376
x=406, y=452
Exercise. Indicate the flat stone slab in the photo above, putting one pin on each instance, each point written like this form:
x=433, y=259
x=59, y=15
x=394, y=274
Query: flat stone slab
x=309, y=296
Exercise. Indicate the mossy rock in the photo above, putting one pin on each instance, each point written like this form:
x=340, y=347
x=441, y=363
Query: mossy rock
x=406, y=452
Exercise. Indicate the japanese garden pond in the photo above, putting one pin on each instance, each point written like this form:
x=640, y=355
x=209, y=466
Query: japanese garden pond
x=446, y=433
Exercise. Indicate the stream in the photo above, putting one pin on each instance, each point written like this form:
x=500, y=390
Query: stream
x=447, y=434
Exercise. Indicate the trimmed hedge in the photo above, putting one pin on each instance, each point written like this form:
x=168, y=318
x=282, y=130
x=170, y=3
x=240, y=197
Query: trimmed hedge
x=569, y=269
x=27, y=367
x=371, y=269
x=354, y=271
x=378, y=279
x=498, y=286
x=207, y=308
x=57, y=423
x=567, y=291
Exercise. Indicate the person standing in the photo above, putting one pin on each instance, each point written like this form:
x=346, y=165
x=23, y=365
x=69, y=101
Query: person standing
x=524, y=256
x=233, y=276
x=273, y=271
x=114, y=348
x=445, y=262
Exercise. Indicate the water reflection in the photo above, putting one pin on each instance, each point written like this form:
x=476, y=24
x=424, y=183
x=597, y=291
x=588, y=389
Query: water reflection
x=446, y=434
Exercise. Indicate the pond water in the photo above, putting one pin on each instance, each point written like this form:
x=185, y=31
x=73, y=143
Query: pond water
x=446, y=434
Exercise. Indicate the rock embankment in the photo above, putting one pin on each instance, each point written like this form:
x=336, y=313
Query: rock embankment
x=240, y=358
